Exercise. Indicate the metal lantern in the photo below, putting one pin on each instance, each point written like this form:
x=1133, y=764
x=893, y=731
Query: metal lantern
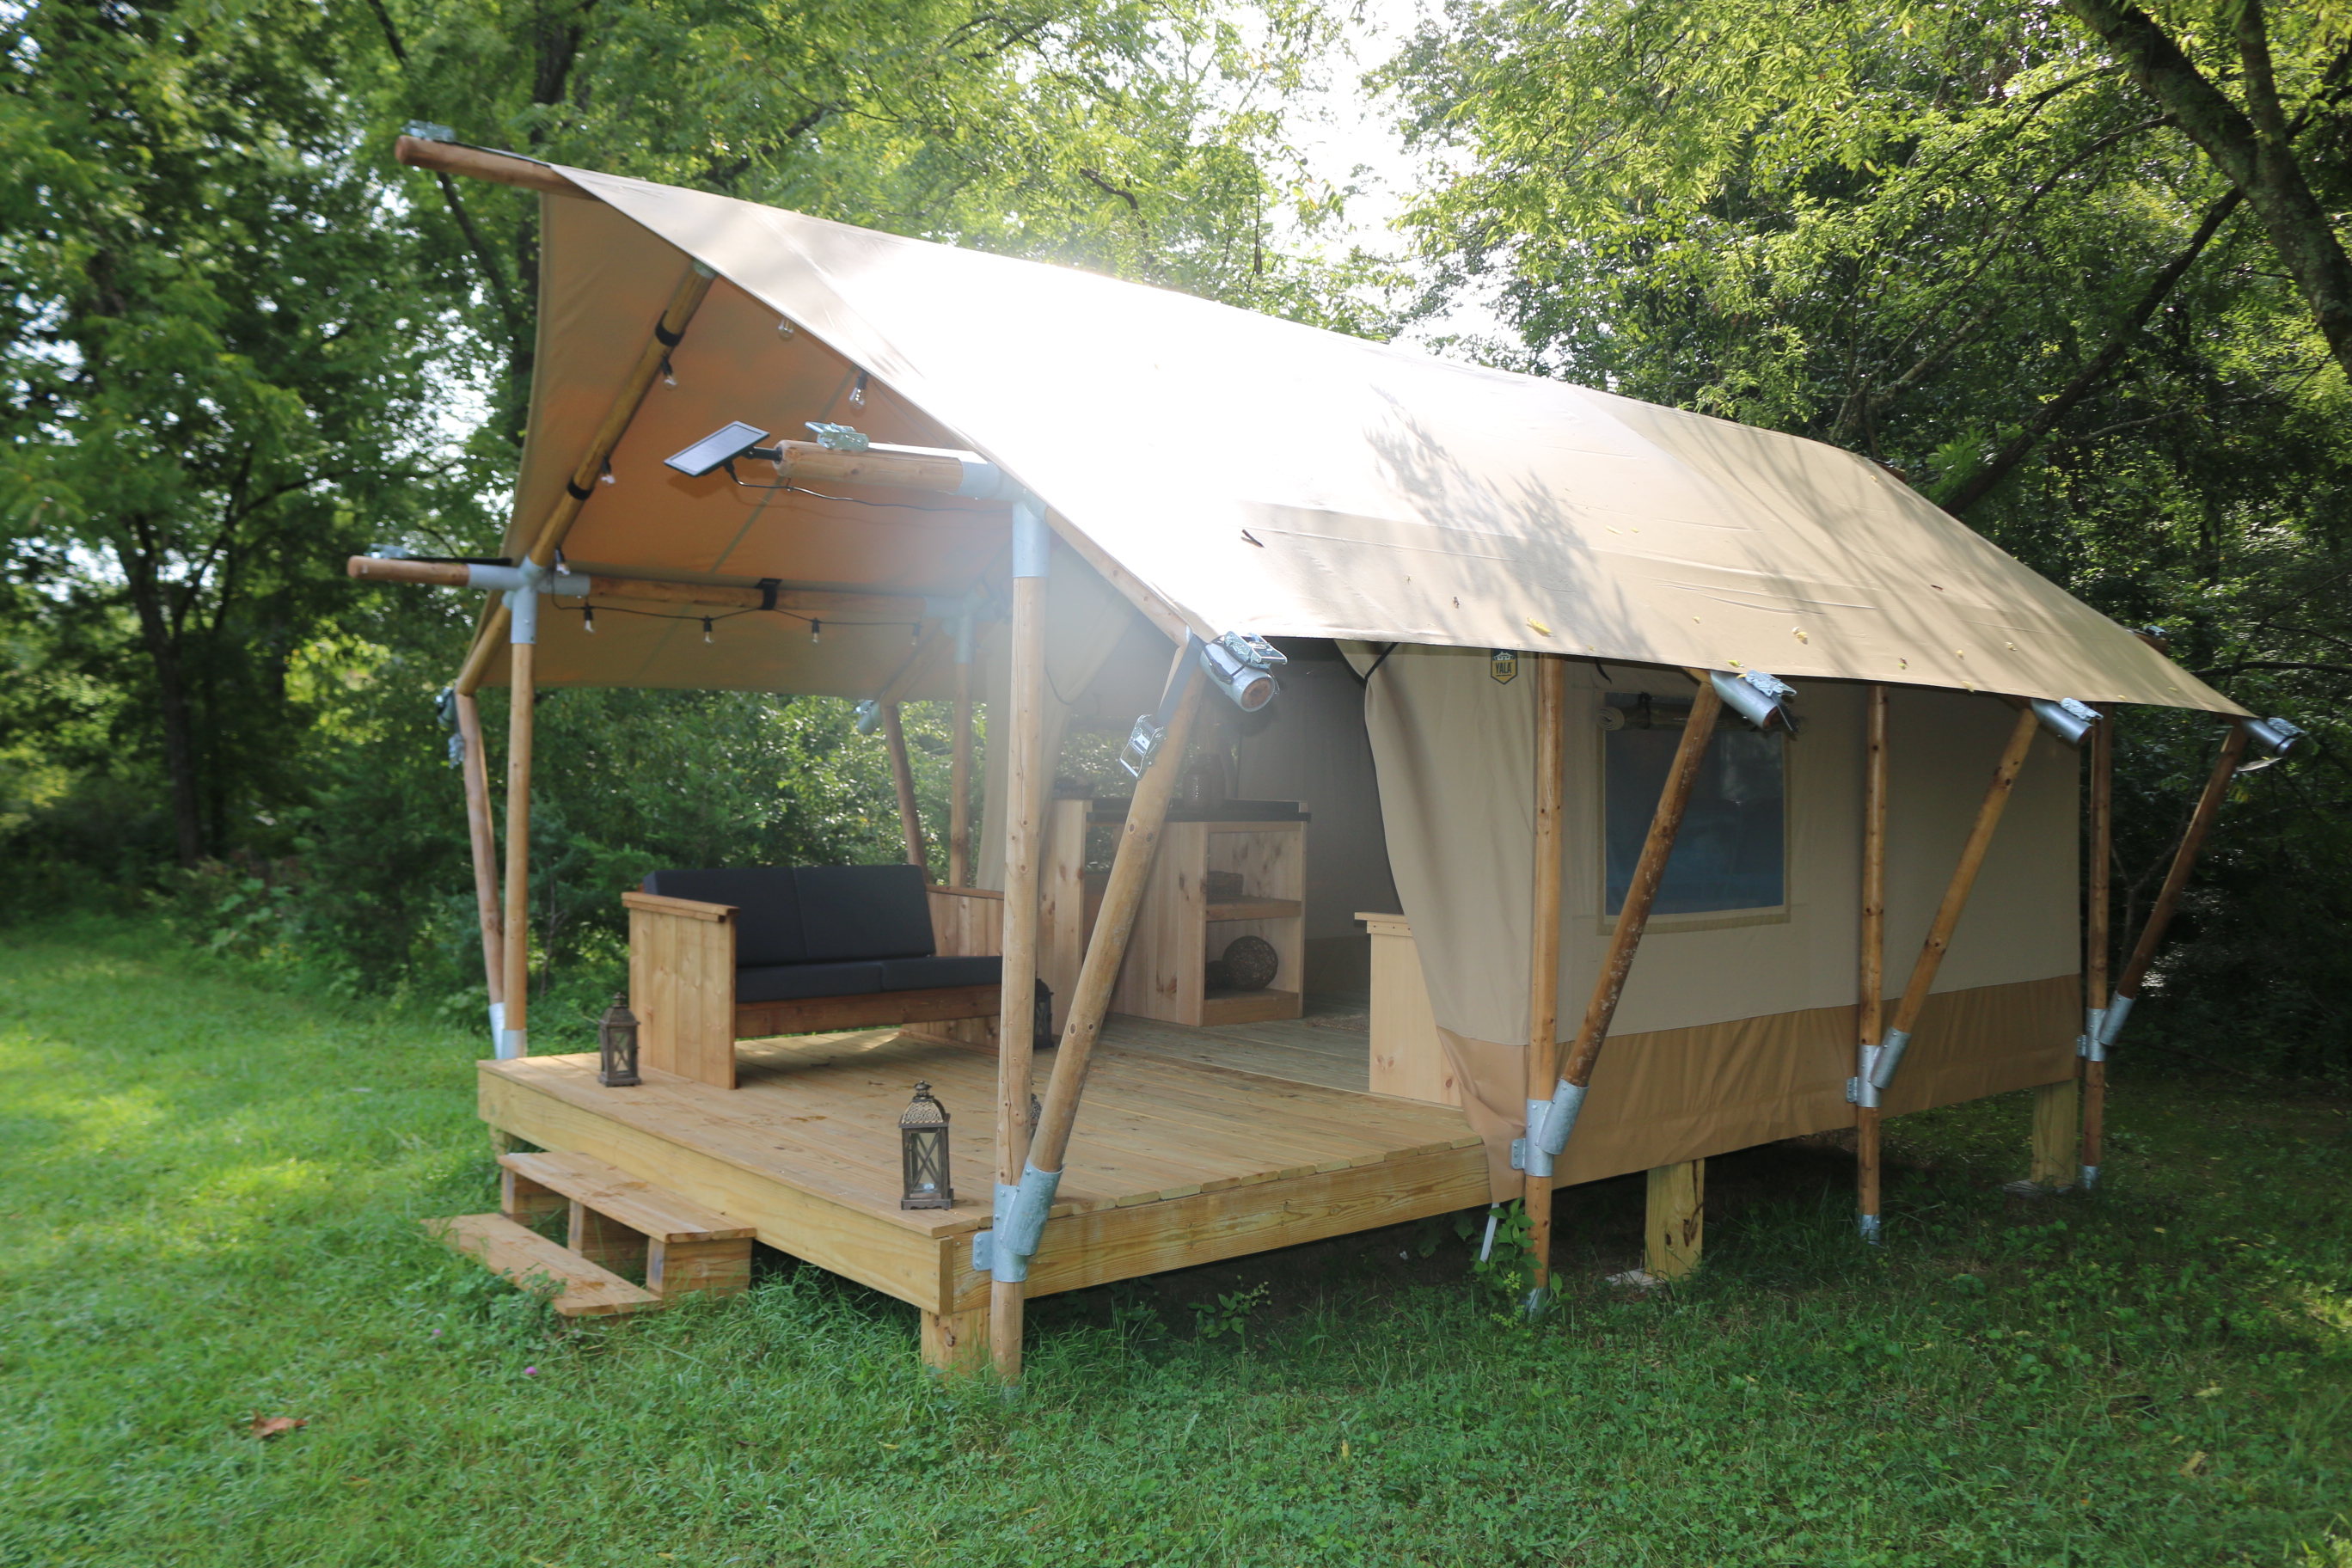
x=616, y=1046
x=923, y=1151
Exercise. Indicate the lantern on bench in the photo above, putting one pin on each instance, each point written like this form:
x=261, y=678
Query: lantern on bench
x=923, y=1152
x=616, y=1045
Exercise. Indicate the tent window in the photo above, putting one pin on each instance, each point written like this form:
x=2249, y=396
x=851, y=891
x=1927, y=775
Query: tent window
x=1731, y=851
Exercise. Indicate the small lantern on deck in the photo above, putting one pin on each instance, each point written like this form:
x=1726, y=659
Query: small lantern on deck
x=923, y=1150
x=616, y=1045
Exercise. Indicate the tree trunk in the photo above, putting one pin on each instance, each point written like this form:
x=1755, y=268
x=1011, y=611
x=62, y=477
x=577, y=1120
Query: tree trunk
x=2257, y=154
x=172, y=705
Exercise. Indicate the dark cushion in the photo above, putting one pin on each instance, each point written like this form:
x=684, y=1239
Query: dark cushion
x=923, y=974
x=767, y=905
x=799, y=981
x=863, y=911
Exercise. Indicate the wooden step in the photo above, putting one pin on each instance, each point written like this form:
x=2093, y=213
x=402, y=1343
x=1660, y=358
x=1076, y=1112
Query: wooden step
x=526, y=1257
x=656, y=1215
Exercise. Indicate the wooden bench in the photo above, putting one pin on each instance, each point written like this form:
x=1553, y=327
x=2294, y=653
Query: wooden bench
x=785, y=951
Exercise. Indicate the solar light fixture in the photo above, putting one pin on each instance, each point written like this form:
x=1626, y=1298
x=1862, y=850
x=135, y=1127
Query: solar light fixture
x=616, y=1046
x=923, y=1154
x=869, y=716
x=1242, y=667
x=2064, y=717
x=2276, y=736
x=721, y=447
x=1762, y=699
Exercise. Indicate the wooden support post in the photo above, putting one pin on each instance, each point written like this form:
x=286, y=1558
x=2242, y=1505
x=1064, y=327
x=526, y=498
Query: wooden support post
x=1964, y=878
x=959, y=775
x=1130, y=872
x=955, y=1342
x=2095, y=943
x=1543, y=960
x=2184, y=859
x=1024, y=767
x=2054, y=1107
x=1676, y=1221
x=515, y=1039
x=902, y=780
x=485, y=847
x=1871, y=1001
x=684, y=302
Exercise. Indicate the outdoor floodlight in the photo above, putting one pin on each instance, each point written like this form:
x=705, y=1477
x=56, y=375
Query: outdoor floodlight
x=722, y=445
x=1242, y=667
x=2275, y=736
x=1758, y=698
x=2064, y=717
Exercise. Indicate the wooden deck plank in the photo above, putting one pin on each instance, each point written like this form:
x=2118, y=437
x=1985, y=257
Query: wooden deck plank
x=525, y=1257
x=617, y=1196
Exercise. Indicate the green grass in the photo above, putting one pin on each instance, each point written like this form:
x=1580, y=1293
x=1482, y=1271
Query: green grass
x=210, y=1189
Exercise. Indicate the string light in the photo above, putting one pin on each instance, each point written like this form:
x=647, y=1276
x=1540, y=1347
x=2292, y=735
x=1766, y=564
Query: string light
x=669, y=378
x=816, y=631
x=606, y=476
x=706, y=629
x=858, y=393
x=588, y=619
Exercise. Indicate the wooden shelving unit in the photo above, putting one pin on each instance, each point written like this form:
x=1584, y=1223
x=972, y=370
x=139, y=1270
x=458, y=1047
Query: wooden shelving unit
x=1178, y=929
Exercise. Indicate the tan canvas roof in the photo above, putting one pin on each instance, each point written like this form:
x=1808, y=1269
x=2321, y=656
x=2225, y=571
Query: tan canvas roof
x=1251, y=473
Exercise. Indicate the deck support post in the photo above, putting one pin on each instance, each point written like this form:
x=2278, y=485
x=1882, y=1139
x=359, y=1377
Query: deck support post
x=684, y=302
x=2184, y=860
x=1880, y=1061
x=522, y=630
x=1871, y=1000
x=2097, y=940
x=1548, y=1129
x=483, y=842
x=1024, y=769
x=1543, y=962
x=959, y=763
x=1675, y=1223
x=902, y=780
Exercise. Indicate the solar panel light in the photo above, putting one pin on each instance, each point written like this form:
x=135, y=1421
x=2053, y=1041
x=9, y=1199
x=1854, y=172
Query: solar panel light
x=2276, y=736
x=722, y=447
x=1242, y=663
x=2064, y=717
x=1762, y=699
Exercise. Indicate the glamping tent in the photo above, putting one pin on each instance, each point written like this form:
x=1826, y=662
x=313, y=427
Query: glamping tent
x=1538, y=702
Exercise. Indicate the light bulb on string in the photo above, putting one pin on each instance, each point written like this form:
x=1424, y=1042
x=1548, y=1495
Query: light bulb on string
x=706, y=629
x=588, y=619
x=816, y=631
x=858, y=393
x=606, y=476
x=670, y=377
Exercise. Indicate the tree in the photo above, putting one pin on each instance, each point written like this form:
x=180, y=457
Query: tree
x=205, y=391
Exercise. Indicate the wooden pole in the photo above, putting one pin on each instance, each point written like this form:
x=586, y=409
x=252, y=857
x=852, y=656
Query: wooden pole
x=517, y=1000
x=902, y=779
x=1023, y=772
x=1871, y=1003
x=1543, y=959
x=2096, y=941
x=1648, y=872
x=479, y=164
x=684, y=302
x=1130, y=873
x=1956, y=893
x=484, y=844
x=960, y=780
x=2184, y=859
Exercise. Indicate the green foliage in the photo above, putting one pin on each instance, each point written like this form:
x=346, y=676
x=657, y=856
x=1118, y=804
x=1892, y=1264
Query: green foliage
x=213, y=1207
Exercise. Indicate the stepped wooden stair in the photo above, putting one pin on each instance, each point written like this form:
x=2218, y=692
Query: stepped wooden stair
x=616, y=1222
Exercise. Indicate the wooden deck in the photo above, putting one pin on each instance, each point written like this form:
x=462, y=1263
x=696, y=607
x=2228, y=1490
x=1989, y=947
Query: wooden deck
x=1177, y=1159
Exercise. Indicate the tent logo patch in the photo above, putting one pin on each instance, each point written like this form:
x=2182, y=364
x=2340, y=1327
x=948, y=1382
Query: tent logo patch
x=1503, y=664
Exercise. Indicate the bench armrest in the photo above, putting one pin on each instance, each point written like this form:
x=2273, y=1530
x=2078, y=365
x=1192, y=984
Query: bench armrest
x=967, y=922
x=682, y=986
